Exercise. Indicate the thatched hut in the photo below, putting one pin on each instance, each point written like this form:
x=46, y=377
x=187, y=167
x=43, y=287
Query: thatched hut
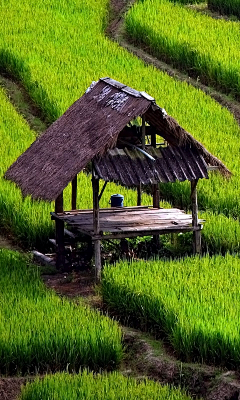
x=97, y=128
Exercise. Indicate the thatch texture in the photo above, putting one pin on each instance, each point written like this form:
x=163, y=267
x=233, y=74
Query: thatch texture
x=89, y=128
x=176, y=136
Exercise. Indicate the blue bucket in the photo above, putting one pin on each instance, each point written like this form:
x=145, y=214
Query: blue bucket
x=117, y=200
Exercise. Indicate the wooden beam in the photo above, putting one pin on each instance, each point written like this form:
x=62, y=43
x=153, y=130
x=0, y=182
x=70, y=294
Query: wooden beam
x=59, y=234
x=96, y=227
x=102, y=191
x=147, y=232
x=195, y=223
x=74, y=193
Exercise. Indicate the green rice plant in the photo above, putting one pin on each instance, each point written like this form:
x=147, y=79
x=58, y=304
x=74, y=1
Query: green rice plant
x=194, y=302
x=56, y=65
x=87, y=386
x=206, y=48
x=227, y=7
x=40, y=331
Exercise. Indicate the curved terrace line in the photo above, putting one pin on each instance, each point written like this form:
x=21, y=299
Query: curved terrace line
x=115, y=31
x=23, y=103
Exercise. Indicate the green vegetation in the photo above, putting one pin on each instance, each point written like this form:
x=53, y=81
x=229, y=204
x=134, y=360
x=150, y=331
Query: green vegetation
x=87, y=386
x=194, y=301
x=228, y=7
x=40, y=331
x=205, y=47
x=56, y=70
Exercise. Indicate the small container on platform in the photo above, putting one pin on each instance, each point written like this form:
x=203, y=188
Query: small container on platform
x=117, y=200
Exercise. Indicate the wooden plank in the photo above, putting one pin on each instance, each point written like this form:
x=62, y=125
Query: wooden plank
x=121, y=235
x=108, y=209
x=153, y=212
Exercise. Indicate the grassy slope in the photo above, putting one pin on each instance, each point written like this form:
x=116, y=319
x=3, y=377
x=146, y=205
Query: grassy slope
x=193, y=301
x=57, y=48
x=40, y=331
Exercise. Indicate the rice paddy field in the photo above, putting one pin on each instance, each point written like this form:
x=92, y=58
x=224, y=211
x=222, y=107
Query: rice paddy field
x=40, y=331
x=87, y=386
x=206, y=48
x=55, y=70
x=194, y=302
x=56, y=49
x=227, y=7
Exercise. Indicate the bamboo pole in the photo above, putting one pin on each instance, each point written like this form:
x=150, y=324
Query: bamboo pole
x=143, y=130
x=96, y=227
x=139, y=195
x=59, y=234
x=139, y=187
x=197, y=233
x=155, y=192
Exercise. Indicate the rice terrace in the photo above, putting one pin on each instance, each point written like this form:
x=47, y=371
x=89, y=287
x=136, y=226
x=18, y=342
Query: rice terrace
x=119, y=200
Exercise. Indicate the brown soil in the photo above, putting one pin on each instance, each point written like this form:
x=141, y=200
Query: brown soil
x=7, y=242
x=23, y=103
x=10, y=387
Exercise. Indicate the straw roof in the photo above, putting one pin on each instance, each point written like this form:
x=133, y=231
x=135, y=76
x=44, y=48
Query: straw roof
x=87, y=129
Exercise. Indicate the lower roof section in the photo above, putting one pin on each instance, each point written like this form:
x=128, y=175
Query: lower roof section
x=130, y=167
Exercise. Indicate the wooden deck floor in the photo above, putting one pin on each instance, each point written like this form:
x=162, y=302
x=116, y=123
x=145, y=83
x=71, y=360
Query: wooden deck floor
x=128, y=221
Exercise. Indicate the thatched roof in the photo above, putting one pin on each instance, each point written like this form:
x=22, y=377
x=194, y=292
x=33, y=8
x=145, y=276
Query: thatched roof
x=87, y=129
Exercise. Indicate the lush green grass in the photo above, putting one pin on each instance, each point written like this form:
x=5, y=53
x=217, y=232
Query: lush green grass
x=203, y=46
x=195, y=302
x=228, y=7
x=87, y=386
x=40, y=331
x=42, y=48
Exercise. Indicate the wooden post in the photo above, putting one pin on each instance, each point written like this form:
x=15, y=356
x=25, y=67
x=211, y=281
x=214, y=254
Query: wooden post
x=96, y=227
x=59, y=233
x=139, y=187
x=155, y=193
x=156, y=197
x=139, y=194
x=196, y=233
x=74, y=193
x=143, y=130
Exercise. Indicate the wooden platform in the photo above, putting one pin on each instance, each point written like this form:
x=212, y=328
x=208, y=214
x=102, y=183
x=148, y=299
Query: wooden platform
x=117, y=223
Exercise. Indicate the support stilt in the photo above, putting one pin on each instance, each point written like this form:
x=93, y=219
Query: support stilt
x=155, y=194
x=139, y=195
x=74, y=193
x=96, y=228
x=197, y=233
x=59, y=232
